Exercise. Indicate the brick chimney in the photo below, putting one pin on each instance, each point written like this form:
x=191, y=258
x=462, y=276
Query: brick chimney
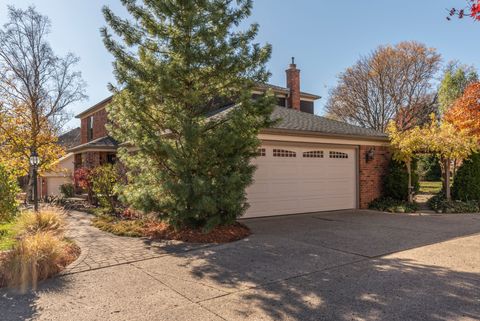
x=293, y=83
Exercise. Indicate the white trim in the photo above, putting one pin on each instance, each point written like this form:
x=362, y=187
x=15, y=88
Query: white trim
x=320, y=140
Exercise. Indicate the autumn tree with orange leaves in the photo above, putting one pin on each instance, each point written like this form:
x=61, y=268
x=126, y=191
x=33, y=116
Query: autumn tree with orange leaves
x=465, y=113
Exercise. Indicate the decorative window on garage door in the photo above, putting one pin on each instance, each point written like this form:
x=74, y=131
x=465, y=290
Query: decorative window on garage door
x=313, y=154
x=261, y=152
x=283, y=153
x=334, y=154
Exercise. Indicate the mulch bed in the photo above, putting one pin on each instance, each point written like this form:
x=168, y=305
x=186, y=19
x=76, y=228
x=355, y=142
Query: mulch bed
x=158, y=230
x=72, y=251
x=221, y=234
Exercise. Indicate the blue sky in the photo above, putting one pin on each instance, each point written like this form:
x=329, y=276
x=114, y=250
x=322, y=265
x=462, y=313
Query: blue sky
x=325, y=36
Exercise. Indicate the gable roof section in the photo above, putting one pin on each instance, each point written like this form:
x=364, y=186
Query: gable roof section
x=106, y=143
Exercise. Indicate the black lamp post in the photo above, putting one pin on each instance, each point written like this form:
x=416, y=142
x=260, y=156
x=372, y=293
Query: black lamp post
x=34, y=161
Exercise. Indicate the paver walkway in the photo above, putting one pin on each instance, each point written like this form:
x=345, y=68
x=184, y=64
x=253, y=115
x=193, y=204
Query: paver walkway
x=101, y=249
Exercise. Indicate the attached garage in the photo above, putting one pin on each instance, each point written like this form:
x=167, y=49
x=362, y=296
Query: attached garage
x=54, y=183
x=309, y=163
x=62, y=174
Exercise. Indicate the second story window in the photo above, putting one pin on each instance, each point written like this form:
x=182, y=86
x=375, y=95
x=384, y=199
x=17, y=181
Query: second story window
x=90, y=128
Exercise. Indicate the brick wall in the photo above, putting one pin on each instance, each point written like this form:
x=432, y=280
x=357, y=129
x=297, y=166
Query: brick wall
x=100, y=119
x=293, y=83
x=372, y=173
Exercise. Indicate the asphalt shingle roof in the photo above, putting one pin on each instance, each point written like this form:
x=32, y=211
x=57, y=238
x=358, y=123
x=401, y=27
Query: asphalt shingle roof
x=102, y=142
x=295, y=120
x=291, y=119
x=70, y=139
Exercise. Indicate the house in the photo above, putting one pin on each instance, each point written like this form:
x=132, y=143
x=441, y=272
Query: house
x=49, y=183
x=307, y=163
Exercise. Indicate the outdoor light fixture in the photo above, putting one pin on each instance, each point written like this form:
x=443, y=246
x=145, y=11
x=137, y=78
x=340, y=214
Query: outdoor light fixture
x=370, y=155
x=35, y=161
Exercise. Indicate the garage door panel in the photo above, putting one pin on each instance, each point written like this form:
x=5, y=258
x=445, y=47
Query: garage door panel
x=289, y=185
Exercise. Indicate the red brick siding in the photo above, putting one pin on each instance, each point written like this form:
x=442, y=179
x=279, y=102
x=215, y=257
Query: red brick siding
x=91, y=159
x=100, y=119
x=83, y=130
x=372, y=173
x=293, y=83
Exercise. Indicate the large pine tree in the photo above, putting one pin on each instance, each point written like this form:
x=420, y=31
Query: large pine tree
x=177, y=64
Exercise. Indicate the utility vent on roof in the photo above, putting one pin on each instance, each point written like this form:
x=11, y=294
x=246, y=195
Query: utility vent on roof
x=313, y=154
x=283, y=153
x=338, y=155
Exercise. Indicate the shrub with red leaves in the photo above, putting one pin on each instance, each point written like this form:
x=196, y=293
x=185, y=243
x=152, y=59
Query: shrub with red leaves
x=82, y=179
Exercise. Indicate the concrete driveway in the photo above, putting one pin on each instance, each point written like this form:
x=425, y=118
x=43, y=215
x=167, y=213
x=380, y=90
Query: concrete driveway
x=353, y=265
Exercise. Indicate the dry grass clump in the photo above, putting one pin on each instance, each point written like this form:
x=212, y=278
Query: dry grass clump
x=49, y=219
x=34, y=258
x=40, y=252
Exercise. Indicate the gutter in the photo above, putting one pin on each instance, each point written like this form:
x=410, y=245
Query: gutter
x=290, y=132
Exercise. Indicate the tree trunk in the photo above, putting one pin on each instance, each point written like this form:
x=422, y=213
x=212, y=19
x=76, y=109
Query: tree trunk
x=454, y=169
x=447, y=179
x=442, y=168
x=410, y=188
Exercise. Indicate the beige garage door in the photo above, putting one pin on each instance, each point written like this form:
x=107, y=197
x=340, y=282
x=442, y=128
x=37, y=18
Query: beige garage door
x=54, y=183
x=304, y=179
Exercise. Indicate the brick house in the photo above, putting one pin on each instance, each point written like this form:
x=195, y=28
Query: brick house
x=307, y=163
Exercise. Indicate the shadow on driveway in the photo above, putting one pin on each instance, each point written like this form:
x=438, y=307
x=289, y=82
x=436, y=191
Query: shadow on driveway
x=386, y=289
x=348, y=266
x=17, y=306
x=331, y=266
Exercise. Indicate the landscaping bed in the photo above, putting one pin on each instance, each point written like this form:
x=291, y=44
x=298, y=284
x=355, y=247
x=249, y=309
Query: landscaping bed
x=388, y=204
x=158, y=230
x=439, y=204
x=34, y=248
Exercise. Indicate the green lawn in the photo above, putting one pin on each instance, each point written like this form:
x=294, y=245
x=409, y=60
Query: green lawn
x=7, y=236
x=430, y=187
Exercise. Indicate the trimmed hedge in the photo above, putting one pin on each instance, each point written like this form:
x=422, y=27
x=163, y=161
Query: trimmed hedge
x=466, y=185
x=396, y=181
